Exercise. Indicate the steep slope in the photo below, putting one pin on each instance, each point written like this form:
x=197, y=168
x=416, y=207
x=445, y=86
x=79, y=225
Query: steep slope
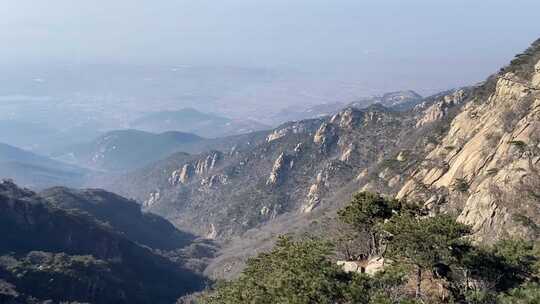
x=49, y=253
x=128, y=149
x=36, y=171
x=221, y=194
x=472, y=152
x=192, y=121
x=122, y=215
x=486, y=166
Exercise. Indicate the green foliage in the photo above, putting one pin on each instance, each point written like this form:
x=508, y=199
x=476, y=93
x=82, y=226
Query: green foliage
x=449, y=148
x=293, y=272
x=366, y=212
x=497, y=269
x=388, y=282
x=461, y=185
x=521, y=145
x=480, y=297
x=521, y=260
x=391, y=163
x=299, y=272
x=526, y=294
x=492, y=171
x=366, y=209
x=359, y=290
x=423, y=242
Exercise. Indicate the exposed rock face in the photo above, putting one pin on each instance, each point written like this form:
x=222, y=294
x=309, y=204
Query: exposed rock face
x=277, y=134
x=370, y=267
x=213, y=233
x=489, y=158
x=440, y=109
x=206, y=165
x=182, y=176
x=347, y=153
x=398, y=101
x=294, y=128
x=293, y=169
x=152, y=199
x=348, y=118
x=200, y=167
x=214, y=181
x=402, y=156
x=315, y=193
x=322, y=134
x=350, y=266
x=281, y=165
x=472, y=152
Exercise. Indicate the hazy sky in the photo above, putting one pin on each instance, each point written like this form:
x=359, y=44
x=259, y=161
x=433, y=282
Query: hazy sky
x=439, y=43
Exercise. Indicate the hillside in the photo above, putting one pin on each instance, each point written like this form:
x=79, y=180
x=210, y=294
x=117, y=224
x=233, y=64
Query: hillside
x=192, y=121
x=122, y=215
x=469, y=152
x=37, y=171
x=48, y=253
x=486, y=165
x=128, y=149
x=297, y=166
x=399, y=100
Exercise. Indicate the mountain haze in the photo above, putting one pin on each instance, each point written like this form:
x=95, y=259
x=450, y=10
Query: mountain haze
x=192, y=121
x=399, y=100
x=37, y=171
x=127, y=149
x=454, y=151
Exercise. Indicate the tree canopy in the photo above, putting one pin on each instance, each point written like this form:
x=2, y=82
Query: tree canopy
x=419, y=248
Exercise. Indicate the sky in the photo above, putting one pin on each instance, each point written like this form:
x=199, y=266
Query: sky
x=435, y=44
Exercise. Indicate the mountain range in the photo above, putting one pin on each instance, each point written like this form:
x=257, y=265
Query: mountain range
x=192, y=121
x=399, y=100
x=37, y=171
x=189, y=209
x=125, y=149
x=467, y=152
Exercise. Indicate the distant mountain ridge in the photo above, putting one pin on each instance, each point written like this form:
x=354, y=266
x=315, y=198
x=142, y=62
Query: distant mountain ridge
x=37, y=171
x=42, y=138
x=398, y=100
x=472, y=153
x=127, y=149
x=221, y=194
x=193, y=121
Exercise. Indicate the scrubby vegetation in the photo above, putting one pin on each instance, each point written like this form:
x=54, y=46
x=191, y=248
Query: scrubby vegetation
x=428, y=259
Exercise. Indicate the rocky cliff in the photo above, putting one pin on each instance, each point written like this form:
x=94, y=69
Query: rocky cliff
x=297, y=166
x=485, y=168
x=472, y=152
